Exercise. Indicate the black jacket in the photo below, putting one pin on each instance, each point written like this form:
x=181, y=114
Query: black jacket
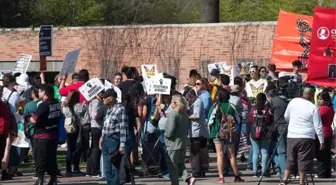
x=125, y=170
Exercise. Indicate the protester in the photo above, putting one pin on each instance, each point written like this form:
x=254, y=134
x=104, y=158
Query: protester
x=117, y=79
x=193, y=76
x=327, y=115
x=297, y=65
x=224, y=82
x=263, y=72
x=114, y=134
x=176, y=141
x=203, y=94
x=260, y=119
x=46, y=121
x=221, y=108
x=83, y=76
x=256, y=85
x=5, y=130
x=126, y=85
x=272, y=71
x=213, y=82
x=303, y=125
x=197, y=134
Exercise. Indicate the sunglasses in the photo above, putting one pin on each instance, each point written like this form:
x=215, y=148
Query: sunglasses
x=198, y=84
x=252, y=71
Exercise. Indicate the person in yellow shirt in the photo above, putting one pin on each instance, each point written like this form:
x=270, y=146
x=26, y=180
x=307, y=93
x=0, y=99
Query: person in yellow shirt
x=213, y=82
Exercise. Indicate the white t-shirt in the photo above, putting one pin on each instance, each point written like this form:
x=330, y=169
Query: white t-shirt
x=304, y=120
x=13, y=99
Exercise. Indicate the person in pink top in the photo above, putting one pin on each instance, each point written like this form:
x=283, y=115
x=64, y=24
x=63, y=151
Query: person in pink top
x=327, y=115
x=83, y=77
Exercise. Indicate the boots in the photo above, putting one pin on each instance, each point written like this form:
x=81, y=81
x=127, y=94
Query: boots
x=53, y=180
x=5, y=175
x=39, y=180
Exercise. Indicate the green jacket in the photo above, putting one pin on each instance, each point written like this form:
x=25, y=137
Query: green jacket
x=214, y=129
x=176, y=132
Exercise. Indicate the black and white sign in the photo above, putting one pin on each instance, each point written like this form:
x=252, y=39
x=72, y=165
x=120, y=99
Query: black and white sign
x=91, y=88
x=45, y=40
x=109, y=85
x=70, y=62
x=157, y=85
x=22, y=64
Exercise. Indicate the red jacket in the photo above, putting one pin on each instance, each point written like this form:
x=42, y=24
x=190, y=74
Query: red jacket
x=5, y=119
x=252, y=116
x=327, y=116
x=64, y=91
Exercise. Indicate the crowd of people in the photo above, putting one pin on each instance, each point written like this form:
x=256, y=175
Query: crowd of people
x=209, y=114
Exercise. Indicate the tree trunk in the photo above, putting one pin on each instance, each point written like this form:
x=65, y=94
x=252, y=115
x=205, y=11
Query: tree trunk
x=209, y=11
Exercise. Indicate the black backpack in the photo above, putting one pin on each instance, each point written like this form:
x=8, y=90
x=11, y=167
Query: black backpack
x=260, y=129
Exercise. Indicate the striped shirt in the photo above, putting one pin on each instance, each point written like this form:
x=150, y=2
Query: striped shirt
x=116, y=124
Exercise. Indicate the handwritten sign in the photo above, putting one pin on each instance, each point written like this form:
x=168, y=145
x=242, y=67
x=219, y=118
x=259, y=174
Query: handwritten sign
x=22, y=63
x=45, y=40
x=158, y=85
x=91, y=88
x=109, y=85
x=70, y=62
x=149, y=71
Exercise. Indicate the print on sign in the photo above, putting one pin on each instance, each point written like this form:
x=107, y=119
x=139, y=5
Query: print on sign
x=243, y=67
x=45, y=40
x=158, y=86
x=149, y=70
x=70, y=62
x=22, y=63
x=332, y=71
x=91, y=88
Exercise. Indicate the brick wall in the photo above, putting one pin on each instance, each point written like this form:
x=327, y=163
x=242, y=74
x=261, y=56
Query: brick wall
x=194, y=45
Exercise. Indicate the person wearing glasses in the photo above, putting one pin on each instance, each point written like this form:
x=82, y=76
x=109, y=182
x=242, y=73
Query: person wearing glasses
x=256, y=85
x=263, y=72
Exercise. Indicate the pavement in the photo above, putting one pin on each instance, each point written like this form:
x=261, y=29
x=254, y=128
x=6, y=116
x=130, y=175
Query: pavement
x=210, y=179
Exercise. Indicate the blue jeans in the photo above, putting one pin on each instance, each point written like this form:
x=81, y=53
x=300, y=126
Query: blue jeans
x=263, y=147
x=109, y=145
x=246, y=129
x=281, y=149
x=275, y=158
x=163, y=164
x=250, y=159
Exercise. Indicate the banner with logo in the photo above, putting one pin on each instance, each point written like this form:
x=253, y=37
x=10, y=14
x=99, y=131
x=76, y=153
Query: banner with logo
x=291, y=40
x=22, y=64
x=158, y=85
x=322, y=56
x=149, y=70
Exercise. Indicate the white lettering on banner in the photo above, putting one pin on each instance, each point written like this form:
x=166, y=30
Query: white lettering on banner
x=22, y=63
x=54, y=111
x=91, y=88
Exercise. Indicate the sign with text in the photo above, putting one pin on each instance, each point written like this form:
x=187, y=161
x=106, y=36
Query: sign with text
x=322, y=56
x=109, y=85
x=70, y=62
x=149, y=70
x=158, y=85
x=22, y=64
x=45, y=40
x=218, y=65
x=91, y=88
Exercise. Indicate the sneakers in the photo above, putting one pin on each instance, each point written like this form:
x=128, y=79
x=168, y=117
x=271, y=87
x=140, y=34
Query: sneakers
x=220, y=181
x=165, y=176
x=255, y=175
x=238, y=179
x=191, y=181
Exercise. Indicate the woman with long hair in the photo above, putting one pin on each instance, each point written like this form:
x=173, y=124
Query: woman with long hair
x=73, y=109
x=217, y=112
x=202, y=86
x=260, y=120
x=176, y=138
x=327, y=115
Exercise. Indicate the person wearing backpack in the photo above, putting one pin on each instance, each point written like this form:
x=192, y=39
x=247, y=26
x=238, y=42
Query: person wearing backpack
x=72, y=127
x=261, y=133
x=222, y=119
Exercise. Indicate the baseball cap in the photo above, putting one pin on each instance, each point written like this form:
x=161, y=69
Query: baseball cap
x=214, y=72
x=108, y=93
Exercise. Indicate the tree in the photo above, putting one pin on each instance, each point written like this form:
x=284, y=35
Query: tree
x=209, y=11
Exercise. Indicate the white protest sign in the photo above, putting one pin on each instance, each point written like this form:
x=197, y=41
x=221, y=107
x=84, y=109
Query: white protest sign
x=22, y=64
x=91, y=88
x=21, y=141
x=158, y=85
x=70, y=62
x=109, y=85
x=149, y=70
x=218, y=65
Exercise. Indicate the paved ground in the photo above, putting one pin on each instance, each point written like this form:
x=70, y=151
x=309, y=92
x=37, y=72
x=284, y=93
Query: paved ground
x=209, y=180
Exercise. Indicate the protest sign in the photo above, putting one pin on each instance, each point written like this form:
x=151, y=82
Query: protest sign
x=322, y=56
x=22, y=64
x=70, y=62
x=91, y=88
x=45, y=40
x=109, y=85
x=218, y=65
x=21, y=141
x=243, y=67
x=149, y=71
x=157, y=85
x=291, y=40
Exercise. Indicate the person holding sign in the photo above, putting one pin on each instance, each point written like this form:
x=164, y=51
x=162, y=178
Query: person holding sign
x=83, y=77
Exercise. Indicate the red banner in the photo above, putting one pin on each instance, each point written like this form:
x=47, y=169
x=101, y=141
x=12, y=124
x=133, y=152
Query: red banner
x=322, y=56
x=291, y=40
